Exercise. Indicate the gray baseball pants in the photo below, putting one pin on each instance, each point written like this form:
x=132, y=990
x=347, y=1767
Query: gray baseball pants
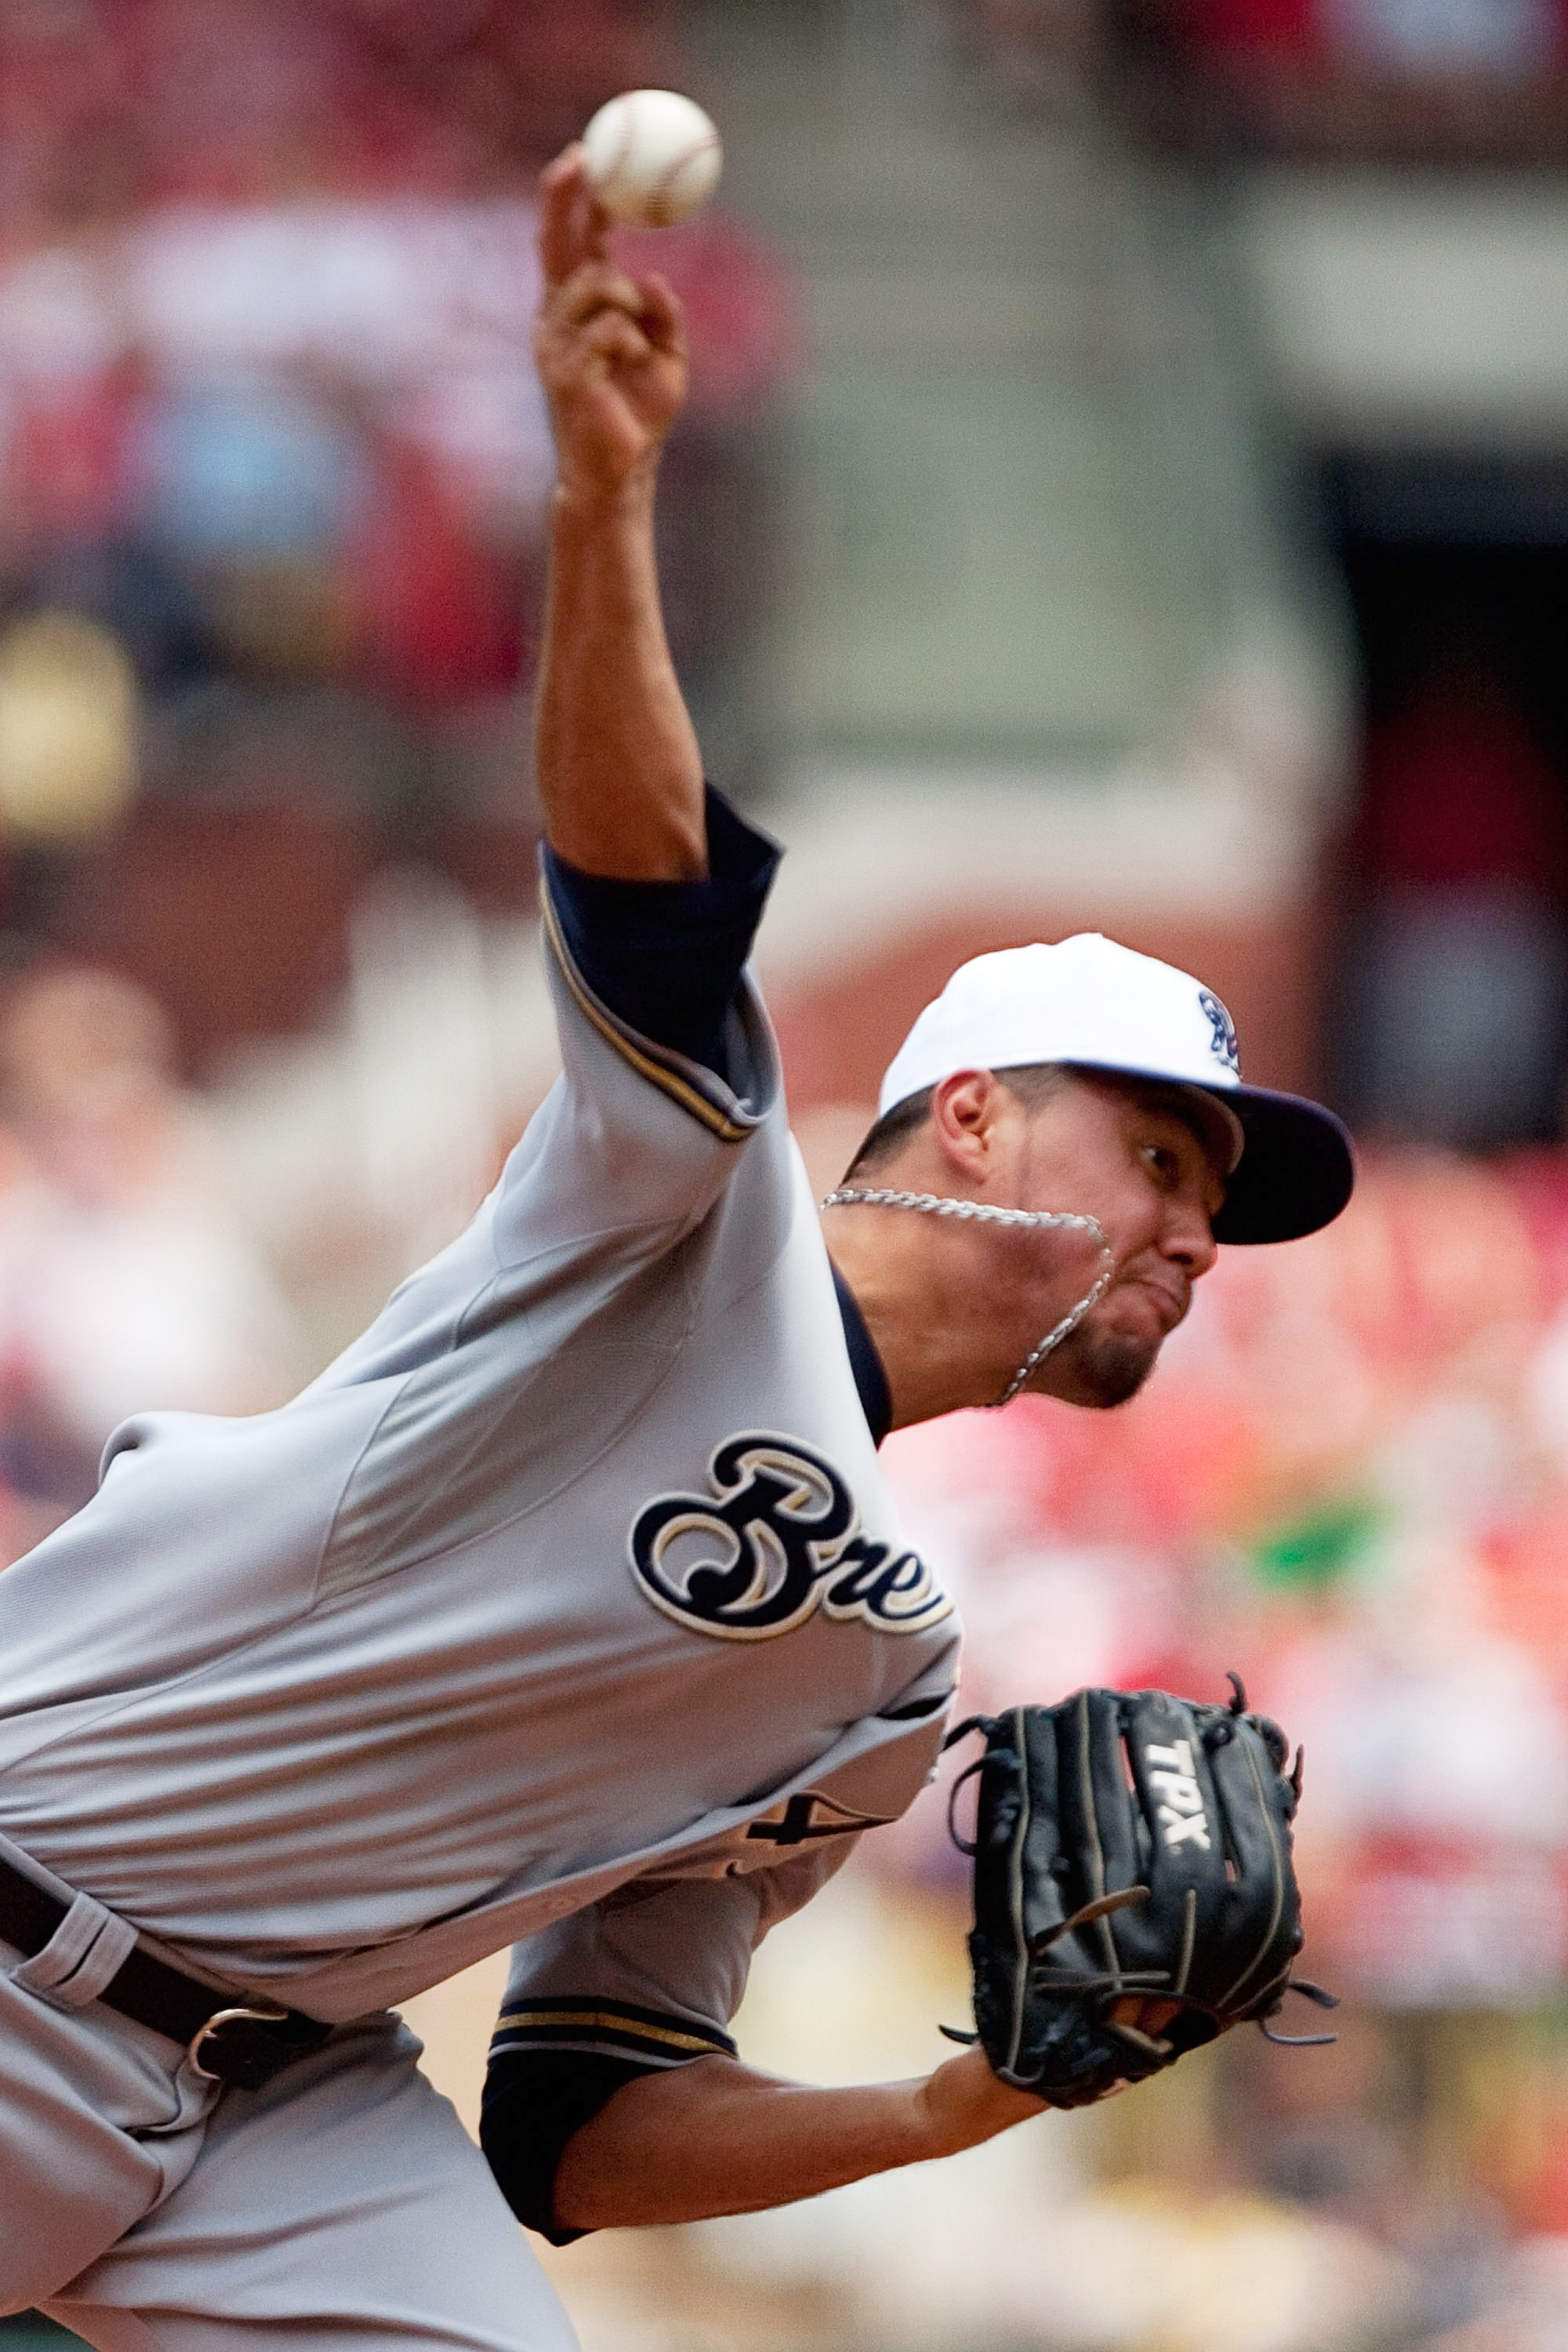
x=151, y=2211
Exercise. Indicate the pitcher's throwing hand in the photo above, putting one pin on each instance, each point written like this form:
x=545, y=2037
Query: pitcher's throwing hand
x=611, y=348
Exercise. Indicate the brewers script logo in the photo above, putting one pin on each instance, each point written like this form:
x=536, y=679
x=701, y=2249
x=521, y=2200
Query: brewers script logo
x=777, y=1539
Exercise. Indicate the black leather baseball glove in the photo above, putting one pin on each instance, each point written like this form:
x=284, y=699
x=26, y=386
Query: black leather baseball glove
x=1130, y=1848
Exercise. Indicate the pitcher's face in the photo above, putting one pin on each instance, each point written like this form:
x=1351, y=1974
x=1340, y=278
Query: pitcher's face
x=1144, y=1161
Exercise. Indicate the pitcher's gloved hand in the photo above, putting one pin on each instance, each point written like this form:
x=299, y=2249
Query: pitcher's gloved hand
x=1134, y=1893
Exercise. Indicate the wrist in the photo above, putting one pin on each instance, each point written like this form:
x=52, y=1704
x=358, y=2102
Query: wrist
x=938, y=2122
x=964, y=2102
x=599, y=499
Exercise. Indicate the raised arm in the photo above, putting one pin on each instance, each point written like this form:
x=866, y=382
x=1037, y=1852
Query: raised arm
x=618, y=769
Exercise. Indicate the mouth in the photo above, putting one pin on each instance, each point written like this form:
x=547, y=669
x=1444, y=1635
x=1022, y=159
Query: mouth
x=1170, y=1305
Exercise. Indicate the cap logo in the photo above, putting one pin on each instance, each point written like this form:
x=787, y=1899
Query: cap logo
x=1223, y=1040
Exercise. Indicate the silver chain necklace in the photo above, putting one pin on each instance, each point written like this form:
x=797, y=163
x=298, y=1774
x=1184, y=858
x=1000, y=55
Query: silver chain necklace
x=937, y=1204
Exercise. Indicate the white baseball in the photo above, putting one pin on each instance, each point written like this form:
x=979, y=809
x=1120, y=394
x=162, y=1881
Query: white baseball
x=653, y=157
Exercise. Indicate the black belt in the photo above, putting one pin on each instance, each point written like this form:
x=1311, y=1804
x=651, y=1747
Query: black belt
x=245, y=2046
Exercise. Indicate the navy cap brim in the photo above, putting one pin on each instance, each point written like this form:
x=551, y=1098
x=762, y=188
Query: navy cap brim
x=1297, y=1169
x=1296, y=1174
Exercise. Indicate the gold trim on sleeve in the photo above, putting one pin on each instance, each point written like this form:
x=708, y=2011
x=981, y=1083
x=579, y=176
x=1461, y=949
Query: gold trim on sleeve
x=607, y=2021
x=669, y=1081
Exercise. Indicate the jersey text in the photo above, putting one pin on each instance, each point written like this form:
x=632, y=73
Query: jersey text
x=775, y=1542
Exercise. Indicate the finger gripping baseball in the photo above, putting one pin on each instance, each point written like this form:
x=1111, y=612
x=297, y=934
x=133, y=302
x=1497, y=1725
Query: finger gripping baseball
x=1127, y=1845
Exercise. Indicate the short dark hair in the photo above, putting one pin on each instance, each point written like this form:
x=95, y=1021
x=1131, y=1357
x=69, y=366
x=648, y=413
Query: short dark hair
x=1032, y=1083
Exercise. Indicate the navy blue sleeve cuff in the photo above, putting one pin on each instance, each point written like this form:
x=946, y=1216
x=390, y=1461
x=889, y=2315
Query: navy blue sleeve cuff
x=666, y=957
x=534, y=2102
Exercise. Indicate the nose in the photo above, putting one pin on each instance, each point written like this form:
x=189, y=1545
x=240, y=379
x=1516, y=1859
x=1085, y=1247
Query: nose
x=1188, y=1241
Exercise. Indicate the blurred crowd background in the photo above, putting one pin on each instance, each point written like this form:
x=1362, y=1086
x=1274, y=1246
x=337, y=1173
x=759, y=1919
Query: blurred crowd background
x=1125, y=486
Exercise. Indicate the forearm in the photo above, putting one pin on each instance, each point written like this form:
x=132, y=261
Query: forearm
x=716, y=2136
x=618, y=769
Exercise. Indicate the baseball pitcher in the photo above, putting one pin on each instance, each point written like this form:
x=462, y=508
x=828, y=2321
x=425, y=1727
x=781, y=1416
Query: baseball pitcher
x=568, y=1608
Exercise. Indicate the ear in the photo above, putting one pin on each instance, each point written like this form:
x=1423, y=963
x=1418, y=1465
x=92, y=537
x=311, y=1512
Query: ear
x=965, y=1112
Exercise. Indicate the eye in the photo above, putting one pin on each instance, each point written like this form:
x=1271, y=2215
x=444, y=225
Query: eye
x=1163, y=1164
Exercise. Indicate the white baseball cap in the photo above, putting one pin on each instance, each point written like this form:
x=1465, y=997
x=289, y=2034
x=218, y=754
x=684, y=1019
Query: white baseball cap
x=1098, y=1007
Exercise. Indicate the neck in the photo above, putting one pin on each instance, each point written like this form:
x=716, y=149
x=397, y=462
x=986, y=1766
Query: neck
x=928, y=1317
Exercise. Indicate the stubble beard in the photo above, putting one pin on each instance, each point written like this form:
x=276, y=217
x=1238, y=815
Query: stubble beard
x=1107, y=1367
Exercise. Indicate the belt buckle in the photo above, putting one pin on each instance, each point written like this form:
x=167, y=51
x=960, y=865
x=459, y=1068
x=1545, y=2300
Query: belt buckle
x=254, y=2058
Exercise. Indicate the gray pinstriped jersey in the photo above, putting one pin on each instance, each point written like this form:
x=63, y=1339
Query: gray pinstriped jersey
x=577, y=1570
